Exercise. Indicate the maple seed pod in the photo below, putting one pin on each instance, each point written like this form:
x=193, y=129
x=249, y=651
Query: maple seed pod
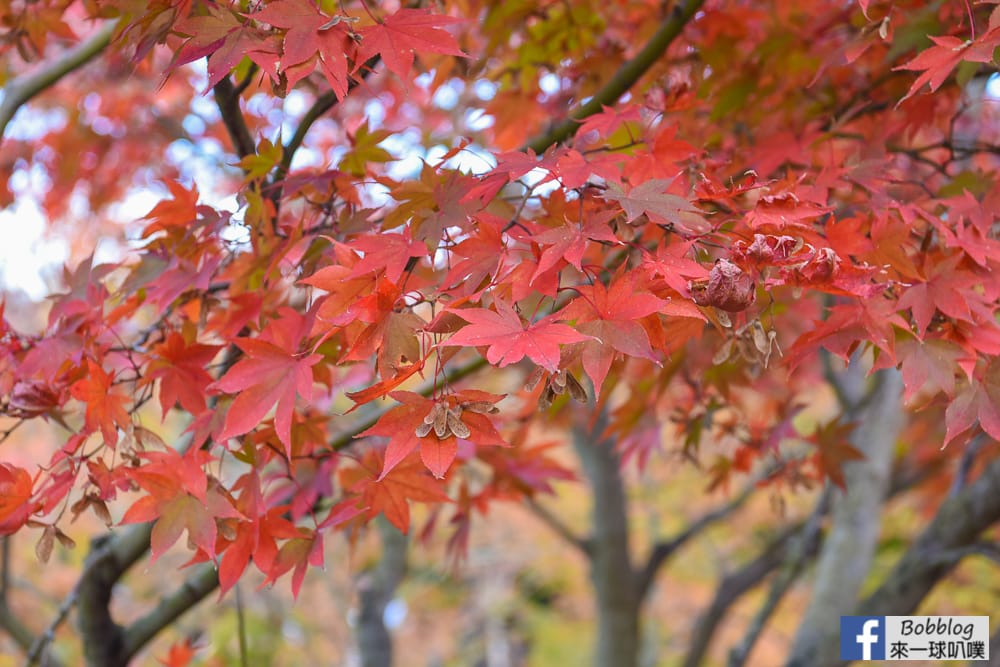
x=65, y=540
x=226, y=529
x=441, y=422
x=724, y=353
x=558, y=389
x=457, y=426
x=101, y=510
x=424, y=429
x=433, y=415
x=759, y=337
x=534, y=379
x=480, y=407
x=576, y=390
x=43, y=548
x=545, y=400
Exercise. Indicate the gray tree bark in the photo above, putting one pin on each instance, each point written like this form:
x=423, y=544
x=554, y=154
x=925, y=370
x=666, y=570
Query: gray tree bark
x=611, y=570
x=376, y=589
x=849, y=547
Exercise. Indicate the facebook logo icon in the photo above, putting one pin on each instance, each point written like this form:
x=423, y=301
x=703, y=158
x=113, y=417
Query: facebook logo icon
x=862, y=638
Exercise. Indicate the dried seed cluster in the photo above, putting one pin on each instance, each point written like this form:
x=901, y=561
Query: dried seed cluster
x=750, y=341
x=445, y=420
x=558, y=384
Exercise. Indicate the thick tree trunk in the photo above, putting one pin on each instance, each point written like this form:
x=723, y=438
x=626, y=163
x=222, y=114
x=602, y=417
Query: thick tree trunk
x=611, y=571
x=376, y=589
x=849, y=547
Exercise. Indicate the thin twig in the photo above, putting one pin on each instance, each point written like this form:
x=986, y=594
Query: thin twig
x=241, y=627
x=43, y=640
x=666, y=548
x=558, y=526
x=4, y=568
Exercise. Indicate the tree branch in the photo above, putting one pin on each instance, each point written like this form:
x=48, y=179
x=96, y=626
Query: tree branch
x=110, y=557
x=665, y=549
x=611, y=569
x=376, y=589
x=957, y=524
x=128, y=550
x=21, y=635
x=558, y=526
x=752, y=574
x=850, y=544
x=323, y=103
x=966, y=462
x=23, y=88
x=734, y=585
x=624, y=78
x=39, y=648
x=793, y=565
x=195, y=588
x=34, y=647
x=228, y=101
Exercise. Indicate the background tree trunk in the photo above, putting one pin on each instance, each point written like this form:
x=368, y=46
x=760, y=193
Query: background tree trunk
x=611, y=571
x=376, y=589
x=849, y=547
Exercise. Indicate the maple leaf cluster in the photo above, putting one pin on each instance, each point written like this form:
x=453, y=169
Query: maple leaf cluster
x=355, y=339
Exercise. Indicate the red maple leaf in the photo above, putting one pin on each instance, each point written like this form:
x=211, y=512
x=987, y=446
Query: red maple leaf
x=180, y=368
x=929, y=366
x=652, y=199
x=402, y=423
x=273, y=372
x=671, y=262
x=222, y=37
x=509, y=340
x=948, y=289
x=15, y=494
x=105, y=404
x=180, y=498
x=483, y=255
x=834, y=450
x=937, y=62
x=180, y=654
x=390, y=493
x=310, y=34
x=569, y=243
x=397, y=37
x=979, y=399
x=608, y=315
x=297, y=553
x=390, y=253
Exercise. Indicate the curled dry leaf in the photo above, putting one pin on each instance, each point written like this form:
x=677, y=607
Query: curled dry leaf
x=727, y=288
